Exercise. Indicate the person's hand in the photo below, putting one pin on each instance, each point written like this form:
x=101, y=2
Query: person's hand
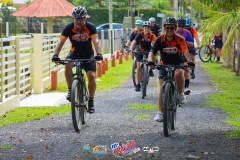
x=98, y=57
x=198, y=47
x=55, y=58
x=191, y=64
x=150, y=64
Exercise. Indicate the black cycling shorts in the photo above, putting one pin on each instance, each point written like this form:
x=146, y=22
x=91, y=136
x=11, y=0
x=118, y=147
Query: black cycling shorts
x=192, y=51
x=163, y=73
x=91, y=66
x=218, y=45
x=139, y=58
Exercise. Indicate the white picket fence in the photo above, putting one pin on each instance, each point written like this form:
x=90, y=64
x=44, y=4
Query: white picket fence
x=25, y=64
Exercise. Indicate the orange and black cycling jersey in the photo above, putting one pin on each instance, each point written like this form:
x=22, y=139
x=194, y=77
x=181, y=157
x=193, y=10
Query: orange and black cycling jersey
x=81, y=41
x=145, y=45
x=193, y=31
x=133, y=35
x=170, y=50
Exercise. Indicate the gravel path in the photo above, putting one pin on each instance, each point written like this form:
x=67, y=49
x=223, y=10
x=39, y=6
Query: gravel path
x=200, y=131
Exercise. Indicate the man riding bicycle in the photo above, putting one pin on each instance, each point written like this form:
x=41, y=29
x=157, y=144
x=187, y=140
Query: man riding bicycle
x=190, y=44
x=81, y=34
x=144, y=41
x=155, y=28
x=171, y=46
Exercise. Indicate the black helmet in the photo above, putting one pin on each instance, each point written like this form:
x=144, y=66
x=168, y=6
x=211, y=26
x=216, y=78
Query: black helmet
x=146, y=23
x=170, y=20
x=79, y=12
x=181, y=21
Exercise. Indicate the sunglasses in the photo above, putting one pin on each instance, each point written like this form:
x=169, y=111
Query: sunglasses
x=169, y=28
x=180, y=26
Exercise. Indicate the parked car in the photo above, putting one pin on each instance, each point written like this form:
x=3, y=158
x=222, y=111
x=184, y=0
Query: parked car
x=105, y=27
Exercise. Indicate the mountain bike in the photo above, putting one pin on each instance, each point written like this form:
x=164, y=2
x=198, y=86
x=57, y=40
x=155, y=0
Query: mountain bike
x=144, y=75
x=123, y=46
x=79, y=93
x=170, y=97
x=208, y=53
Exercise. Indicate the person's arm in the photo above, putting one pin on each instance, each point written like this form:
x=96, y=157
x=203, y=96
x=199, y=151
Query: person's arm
x=96, y=44
x=198, y=42
x=59, y=46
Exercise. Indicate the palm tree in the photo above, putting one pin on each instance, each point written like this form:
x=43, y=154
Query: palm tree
x=229, y=23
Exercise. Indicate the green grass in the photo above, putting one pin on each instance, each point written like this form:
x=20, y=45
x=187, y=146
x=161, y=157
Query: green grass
x=228, y=97
x=142, y=106
x=146, y=108
x=114, y=77
x=6, y=146
x=24, y=114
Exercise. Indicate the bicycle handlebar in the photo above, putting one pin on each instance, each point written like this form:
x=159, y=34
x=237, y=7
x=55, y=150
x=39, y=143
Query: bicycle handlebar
x=159, y=66
x=81, y=61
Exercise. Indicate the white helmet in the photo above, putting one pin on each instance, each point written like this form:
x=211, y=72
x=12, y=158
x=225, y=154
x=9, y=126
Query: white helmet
x=79, y=12
x=151, y=19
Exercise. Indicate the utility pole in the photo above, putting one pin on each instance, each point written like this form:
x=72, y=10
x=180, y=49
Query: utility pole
x=110, y=14
x=175, y=9
x=132, y=12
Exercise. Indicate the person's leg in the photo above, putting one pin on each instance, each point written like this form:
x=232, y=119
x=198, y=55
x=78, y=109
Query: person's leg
x=138, y=77
x=187, y=80
x=179, y=78
x=193, y=69
x=159, y=114
x=218, y=54
x=68, y=74
x=90, y=69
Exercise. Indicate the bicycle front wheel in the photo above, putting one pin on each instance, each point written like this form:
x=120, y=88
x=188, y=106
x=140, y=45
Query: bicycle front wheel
x=134, y=67
x=144, y=79
x=204, y=53
x=167, y=109
x=76, y=99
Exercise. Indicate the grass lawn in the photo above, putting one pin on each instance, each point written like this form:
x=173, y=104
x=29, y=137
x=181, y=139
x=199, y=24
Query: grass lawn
x=228, y=98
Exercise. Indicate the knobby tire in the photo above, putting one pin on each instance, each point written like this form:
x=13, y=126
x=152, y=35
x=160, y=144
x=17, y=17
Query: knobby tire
x=144, y=79
x=167, y=111
x=134, y=66
x=204, y=53
x=76, y=99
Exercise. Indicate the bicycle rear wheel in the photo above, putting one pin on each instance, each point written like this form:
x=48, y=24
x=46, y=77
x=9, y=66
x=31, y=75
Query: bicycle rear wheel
x=213, y=55
x=167, y=109
x=134, y=67
x=144, y=79
x=204, y=53
x=76, y=99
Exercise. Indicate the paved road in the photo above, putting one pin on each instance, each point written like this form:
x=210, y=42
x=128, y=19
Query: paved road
x=200, y=131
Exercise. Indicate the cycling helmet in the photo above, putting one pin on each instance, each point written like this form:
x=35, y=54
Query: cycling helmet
x=139, y=22
x=146, y=24
x=188, y=22
x=79, y=12
x=181, y=21
x=151, y=19
x=170, y=20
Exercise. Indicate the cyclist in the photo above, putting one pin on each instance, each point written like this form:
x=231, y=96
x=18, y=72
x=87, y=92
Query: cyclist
x=155, y=28
x=137, y=30
x=144, y=40
x=189, y=39
x=81, y=34
x=171, y=46
x=192, y=50
x=218, y=44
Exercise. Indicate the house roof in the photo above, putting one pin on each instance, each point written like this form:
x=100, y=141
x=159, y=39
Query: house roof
x=46, y=8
